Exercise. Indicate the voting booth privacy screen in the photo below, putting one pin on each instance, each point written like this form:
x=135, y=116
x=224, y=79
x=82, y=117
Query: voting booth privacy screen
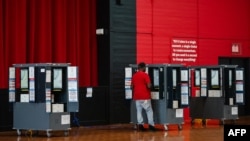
x=219, y=87
x=169, y=92
x=48, y=92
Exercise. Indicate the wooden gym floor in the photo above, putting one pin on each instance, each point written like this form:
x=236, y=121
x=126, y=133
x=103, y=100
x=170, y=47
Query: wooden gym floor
x=126, y=132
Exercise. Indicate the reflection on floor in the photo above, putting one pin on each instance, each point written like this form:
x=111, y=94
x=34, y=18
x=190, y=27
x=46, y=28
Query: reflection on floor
x=212, y=131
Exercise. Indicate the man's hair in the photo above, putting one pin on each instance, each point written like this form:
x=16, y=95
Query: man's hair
x=141, y=65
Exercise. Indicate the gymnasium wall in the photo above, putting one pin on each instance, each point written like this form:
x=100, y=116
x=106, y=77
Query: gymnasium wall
x=214, y=26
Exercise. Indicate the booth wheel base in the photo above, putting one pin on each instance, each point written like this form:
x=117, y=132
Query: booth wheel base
x=48, y=132
x=166, y=127
x=224, y=121
x=26, y=132
x=66, y=132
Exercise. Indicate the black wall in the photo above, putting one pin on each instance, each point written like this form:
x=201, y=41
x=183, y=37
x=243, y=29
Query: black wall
x=103, y=42
x=6, y=113
x=122, y=53
x=116, y=50
x=93, y=110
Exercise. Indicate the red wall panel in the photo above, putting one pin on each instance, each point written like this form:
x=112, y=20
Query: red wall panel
x=224, y=19
x=145, y=51
x=174, y=18
x=215, y=25
x=160, y=52
x=144, y=16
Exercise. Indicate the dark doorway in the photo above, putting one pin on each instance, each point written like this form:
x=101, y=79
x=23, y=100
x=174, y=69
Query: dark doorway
x=243, y=63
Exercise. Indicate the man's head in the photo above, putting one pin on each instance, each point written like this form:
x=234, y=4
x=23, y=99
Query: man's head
x=142, y=66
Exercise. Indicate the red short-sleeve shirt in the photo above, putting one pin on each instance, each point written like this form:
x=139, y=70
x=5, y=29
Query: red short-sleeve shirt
x=139, y=82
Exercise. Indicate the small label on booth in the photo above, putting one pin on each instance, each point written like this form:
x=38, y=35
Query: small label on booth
x=175, y=104
x=231, y=101
x=234, y=110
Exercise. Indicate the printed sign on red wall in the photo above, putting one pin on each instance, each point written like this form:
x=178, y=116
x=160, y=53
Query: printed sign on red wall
x=236, y=48
x=184, y=51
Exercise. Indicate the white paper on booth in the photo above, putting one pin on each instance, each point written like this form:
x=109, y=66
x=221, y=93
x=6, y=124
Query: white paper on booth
x=65, y=119
x=179, y=113
x=89, y=92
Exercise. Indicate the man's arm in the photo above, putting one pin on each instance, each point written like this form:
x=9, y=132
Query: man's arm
x=149, y=85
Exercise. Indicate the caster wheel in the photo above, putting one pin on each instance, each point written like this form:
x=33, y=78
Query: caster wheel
x=204, y=122
x=180, y=127
x=192, y=122
x=18, y=132
x=165, y=127
x=135, y=127
x=222, y=122
x=66, y=133
x=48, y=134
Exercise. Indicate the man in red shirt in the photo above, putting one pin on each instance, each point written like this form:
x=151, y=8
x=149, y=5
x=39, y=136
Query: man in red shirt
x=141, y=85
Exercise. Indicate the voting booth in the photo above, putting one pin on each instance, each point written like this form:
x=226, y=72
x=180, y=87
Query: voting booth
x=42, y=96
x=216, y=92
x=169, y=93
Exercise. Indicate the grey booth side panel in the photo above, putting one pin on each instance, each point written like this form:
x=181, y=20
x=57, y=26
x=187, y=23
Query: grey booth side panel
x=211, y=108
x=30, y=116
x=197, y=107
x=73, y=107
x=162, y=114
x=33, y=116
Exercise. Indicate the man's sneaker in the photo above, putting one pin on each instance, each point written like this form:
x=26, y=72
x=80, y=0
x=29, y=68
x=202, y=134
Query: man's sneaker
x=152, y=128
x=141, y=127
